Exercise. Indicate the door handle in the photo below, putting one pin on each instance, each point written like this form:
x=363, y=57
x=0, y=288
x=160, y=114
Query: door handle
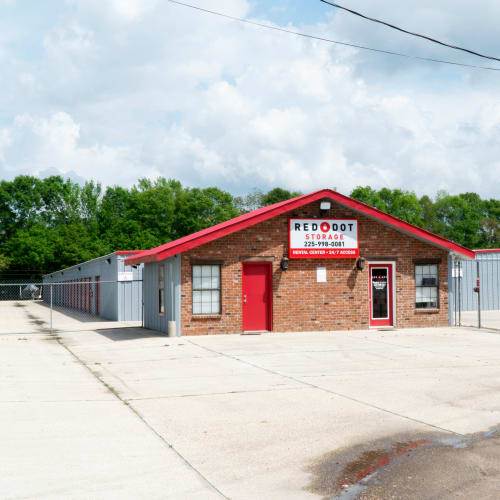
x=244, y=299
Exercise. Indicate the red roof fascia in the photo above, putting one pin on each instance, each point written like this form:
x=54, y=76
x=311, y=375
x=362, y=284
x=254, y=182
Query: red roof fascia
x=247, y=220
x=487, y=250
x=127, y=252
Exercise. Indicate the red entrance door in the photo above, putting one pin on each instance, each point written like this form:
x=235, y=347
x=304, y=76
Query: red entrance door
x=257, y=296
x=381, y=295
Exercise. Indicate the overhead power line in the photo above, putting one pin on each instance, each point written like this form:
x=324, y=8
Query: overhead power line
x=456, y=47
x=328, y=40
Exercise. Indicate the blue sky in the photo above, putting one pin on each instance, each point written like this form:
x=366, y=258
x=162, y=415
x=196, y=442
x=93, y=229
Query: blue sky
x=113, y=90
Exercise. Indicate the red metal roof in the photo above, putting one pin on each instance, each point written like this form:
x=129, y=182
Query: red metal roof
x=247, y=220
x=127, y=252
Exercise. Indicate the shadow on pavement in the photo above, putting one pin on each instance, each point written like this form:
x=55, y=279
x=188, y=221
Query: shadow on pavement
x=131, y=333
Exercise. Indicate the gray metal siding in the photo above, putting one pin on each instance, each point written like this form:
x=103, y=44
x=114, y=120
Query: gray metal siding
x=118, y=301
x=152, y=319
x=129, y=292
x=489, y=276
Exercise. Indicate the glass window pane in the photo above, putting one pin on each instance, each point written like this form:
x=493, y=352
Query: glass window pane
x=206, y=286
x=433, y=270
x=418, y=279
x=161, y=301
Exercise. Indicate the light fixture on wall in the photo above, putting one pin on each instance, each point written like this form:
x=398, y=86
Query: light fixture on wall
x=284, y=264
x=360, y=263
x=324, y=206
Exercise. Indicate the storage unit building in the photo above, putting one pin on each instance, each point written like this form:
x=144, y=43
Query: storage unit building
x=321, y=261
x=105, y=287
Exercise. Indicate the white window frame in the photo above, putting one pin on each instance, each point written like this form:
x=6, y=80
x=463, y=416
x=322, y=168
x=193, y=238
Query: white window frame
x=436, y=286
x=202, y=289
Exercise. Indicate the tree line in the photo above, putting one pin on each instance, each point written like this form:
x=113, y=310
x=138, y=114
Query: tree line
x=52, y=223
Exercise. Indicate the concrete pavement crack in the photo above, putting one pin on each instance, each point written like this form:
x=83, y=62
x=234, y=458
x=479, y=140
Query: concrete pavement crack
x=143, y=420
x=318, y=387
x=218, y=393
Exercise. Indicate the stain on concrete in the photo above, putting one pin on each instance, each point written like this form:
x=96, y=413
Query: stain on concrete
x=350, y=473
x=343, y=471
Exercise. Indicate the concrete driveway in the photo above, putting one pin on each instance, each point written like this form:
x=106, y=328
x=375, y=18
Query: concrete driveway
x=127, y=413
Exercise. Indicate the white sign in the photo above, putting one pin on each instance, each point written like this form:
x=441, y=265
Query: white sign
x=321, y=274
x=126, y=276
x=323, y=239
x=457, y=272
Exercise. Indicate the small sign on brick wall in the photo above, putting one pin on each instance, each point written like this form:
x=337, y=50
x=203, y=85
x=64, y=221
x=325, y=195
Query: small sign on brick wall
x=321, y=275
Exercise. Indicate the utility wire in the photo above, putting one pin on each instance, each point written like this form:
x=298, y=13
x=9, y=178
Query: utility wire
x=456, y=47
x=328, y=40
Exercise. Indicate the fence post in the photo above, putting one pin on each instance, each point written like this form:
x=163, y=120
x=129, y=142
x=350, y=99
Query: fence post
x=455, y=288
x=51, y=285
x=459, y=279
x=478, y=283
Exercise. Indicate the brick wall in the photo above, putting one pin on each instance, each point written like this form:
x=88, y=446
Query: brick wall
x=299, y=302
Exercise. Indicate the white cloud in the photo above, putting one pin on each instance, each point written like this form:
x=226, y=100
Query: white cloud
x=126, y=89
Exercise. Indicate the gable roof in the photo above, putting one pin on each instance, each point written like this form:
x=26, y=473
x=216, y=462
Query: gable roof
x=251, y=218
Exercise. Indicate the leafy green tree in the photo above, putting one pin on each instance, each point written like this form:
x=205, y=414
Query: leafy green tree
x=4, y=262
x=249, y=202
x=47, y=224
x=278, y=194
x=198, y=209
x=490, y=224
x=370, y=196
x=257, y=199
x=402, y=204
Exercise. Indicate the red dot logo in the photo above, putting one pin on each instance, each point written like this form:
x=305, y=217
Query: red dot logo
x=325, y=227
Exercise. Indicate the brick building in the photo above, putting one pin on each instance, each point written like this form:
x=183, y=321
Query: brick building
x=322, y=261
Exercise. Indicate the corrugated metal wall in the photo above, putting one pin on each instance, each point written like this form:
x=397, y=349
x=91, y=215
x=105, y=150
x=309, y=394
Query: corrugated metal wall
x=129, y=292
x=119, y=301
x=152, y=319
x=489, y=276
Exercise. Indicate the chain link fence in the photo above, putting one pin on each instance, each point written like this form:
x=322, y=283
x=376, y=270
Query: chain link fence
x=475, y=292
x=75, y=305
